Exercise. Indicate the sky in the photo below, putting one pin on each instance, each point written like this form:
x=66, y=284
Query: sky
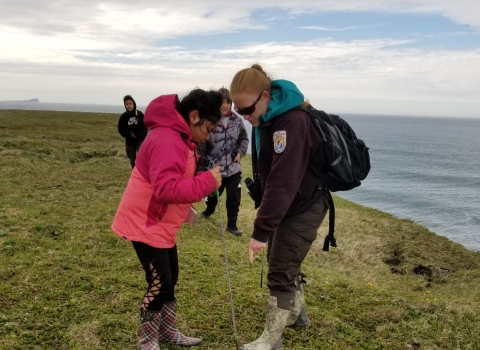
x=413, y=57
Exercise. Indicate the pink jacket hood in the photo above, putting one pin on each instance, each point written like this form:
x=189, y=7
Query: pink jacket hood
x=161, y=112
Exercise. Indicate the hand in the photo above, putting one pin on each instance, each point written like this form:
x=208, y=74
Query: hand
x=214, y=194
x=237, y=158
x=217, y=176
x=255, y=247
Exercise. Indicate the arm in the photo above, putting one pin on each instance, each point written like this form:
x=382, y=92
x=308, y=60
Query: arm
x=242, y=140
x=210, y=145
x=168, y=161
x=142, y=127
x=122, y=126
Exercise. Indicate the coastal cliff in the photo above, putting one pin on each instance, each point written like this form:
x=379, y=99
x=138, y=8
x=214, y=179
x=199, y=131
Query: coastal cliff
x=34, y=100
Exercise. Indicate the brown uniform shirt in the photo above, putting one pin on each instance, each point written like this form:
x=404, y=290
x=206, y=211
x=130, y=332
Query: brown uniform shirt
x=288, y=184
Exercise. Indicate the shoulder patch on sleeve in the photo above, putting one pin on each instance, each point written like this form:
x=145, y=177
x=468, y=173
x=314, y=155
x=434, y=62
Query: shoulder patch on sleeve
x=279, y=141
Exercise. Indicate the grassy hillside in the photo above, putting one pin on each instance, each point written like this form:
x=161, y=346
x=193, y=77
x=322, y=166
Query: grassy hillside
x=67, y=282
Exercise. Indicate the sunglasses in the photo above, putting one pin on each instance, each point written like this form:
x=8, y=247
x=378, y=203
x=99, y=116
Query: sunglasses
x=250, y=109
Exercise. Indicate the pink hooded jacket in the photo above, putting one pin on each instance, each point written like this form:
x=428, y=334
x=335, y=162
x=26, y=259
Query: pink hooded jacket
x=162, y=187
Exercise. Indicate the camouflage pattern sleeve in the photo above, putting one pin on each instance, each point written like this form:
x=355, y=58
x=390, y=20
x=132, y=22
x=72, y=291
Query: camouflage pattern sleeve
x=242, y=141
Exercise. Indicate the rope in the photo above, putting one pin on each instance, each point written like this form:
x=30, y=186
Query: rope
x=228, y=274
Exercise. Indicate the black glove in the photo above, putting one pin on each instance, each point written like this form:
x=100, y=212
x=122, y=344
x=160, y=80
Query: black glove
x=253, y=189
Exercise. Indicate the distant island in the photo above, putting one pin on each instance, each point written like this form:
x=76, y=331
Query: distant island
x=31, y=100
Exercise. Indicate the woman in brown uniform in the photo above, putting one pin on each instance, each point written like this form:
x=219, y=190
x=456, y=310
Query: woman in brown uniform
x=293, y=206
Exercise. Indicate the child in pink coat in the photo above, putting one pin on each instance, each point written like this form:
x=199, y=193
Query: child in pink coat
x=158, y=199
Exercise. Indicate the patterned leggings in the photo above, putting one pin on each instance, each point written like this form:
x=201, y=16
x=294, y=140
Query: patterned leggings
x=161, y=274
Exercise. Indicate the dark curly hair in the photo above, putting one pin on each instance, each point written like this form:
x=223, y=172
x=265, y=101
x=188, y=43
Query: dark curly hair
x=129, y=97
x=207, y=103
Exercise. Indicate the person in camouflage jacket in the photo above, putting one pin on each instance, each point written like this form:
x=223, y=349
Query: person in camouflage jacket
x=224, y=148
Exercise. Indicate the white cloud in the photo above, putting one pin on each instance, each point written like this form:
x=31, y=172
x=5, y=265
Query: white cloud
x=153, y=20
x=325, y=70
x=60, y=51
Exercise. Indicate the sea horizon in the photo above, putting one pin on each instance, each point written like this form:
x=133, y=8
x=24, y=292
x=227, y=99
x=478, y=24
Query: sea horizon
x=108, y=108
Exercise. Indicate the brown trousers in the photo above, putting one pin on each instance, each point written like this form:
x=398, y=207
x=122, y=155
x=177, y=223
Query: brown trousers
x=289, y=244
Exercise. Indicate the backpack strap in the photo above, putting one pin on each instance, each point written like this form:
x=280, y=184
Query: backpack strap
x=330, y=239
x=256, y=173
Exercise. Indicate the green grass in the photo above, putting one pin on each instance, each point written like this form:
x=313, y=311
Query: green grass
x=67, y=282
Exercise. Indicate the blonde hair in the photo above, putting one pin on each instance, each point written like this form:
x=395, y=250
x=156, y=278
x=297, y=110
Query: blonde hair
x=251, y=80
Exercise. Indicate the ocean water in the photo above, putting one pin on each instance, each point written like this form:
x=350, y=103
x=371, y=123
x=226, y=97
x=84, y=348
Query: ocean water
x=423, y=168
x=426, y=169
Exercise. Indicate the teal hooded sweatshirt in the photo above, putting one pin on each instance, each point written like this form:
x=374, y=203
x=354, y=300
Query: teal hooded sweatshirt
x=285, y=96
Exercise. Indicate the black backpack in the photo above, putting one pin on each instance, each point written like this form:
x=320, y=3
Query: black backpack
x=345, y=163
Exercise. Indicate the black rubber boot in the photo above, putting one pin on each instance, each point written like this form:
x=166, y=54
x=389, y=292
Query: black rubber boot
x=204, y=215
x=232, y=227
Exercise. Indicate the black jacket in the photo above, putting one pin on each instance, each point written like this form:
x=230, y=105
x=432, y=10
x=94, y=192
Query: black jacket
x=131, y=126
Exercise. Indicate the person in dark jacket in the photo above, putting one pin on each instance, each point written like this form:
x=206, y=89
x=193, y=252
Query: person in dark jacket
x=225, y=147
x=292, y=205
x=131, y=127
